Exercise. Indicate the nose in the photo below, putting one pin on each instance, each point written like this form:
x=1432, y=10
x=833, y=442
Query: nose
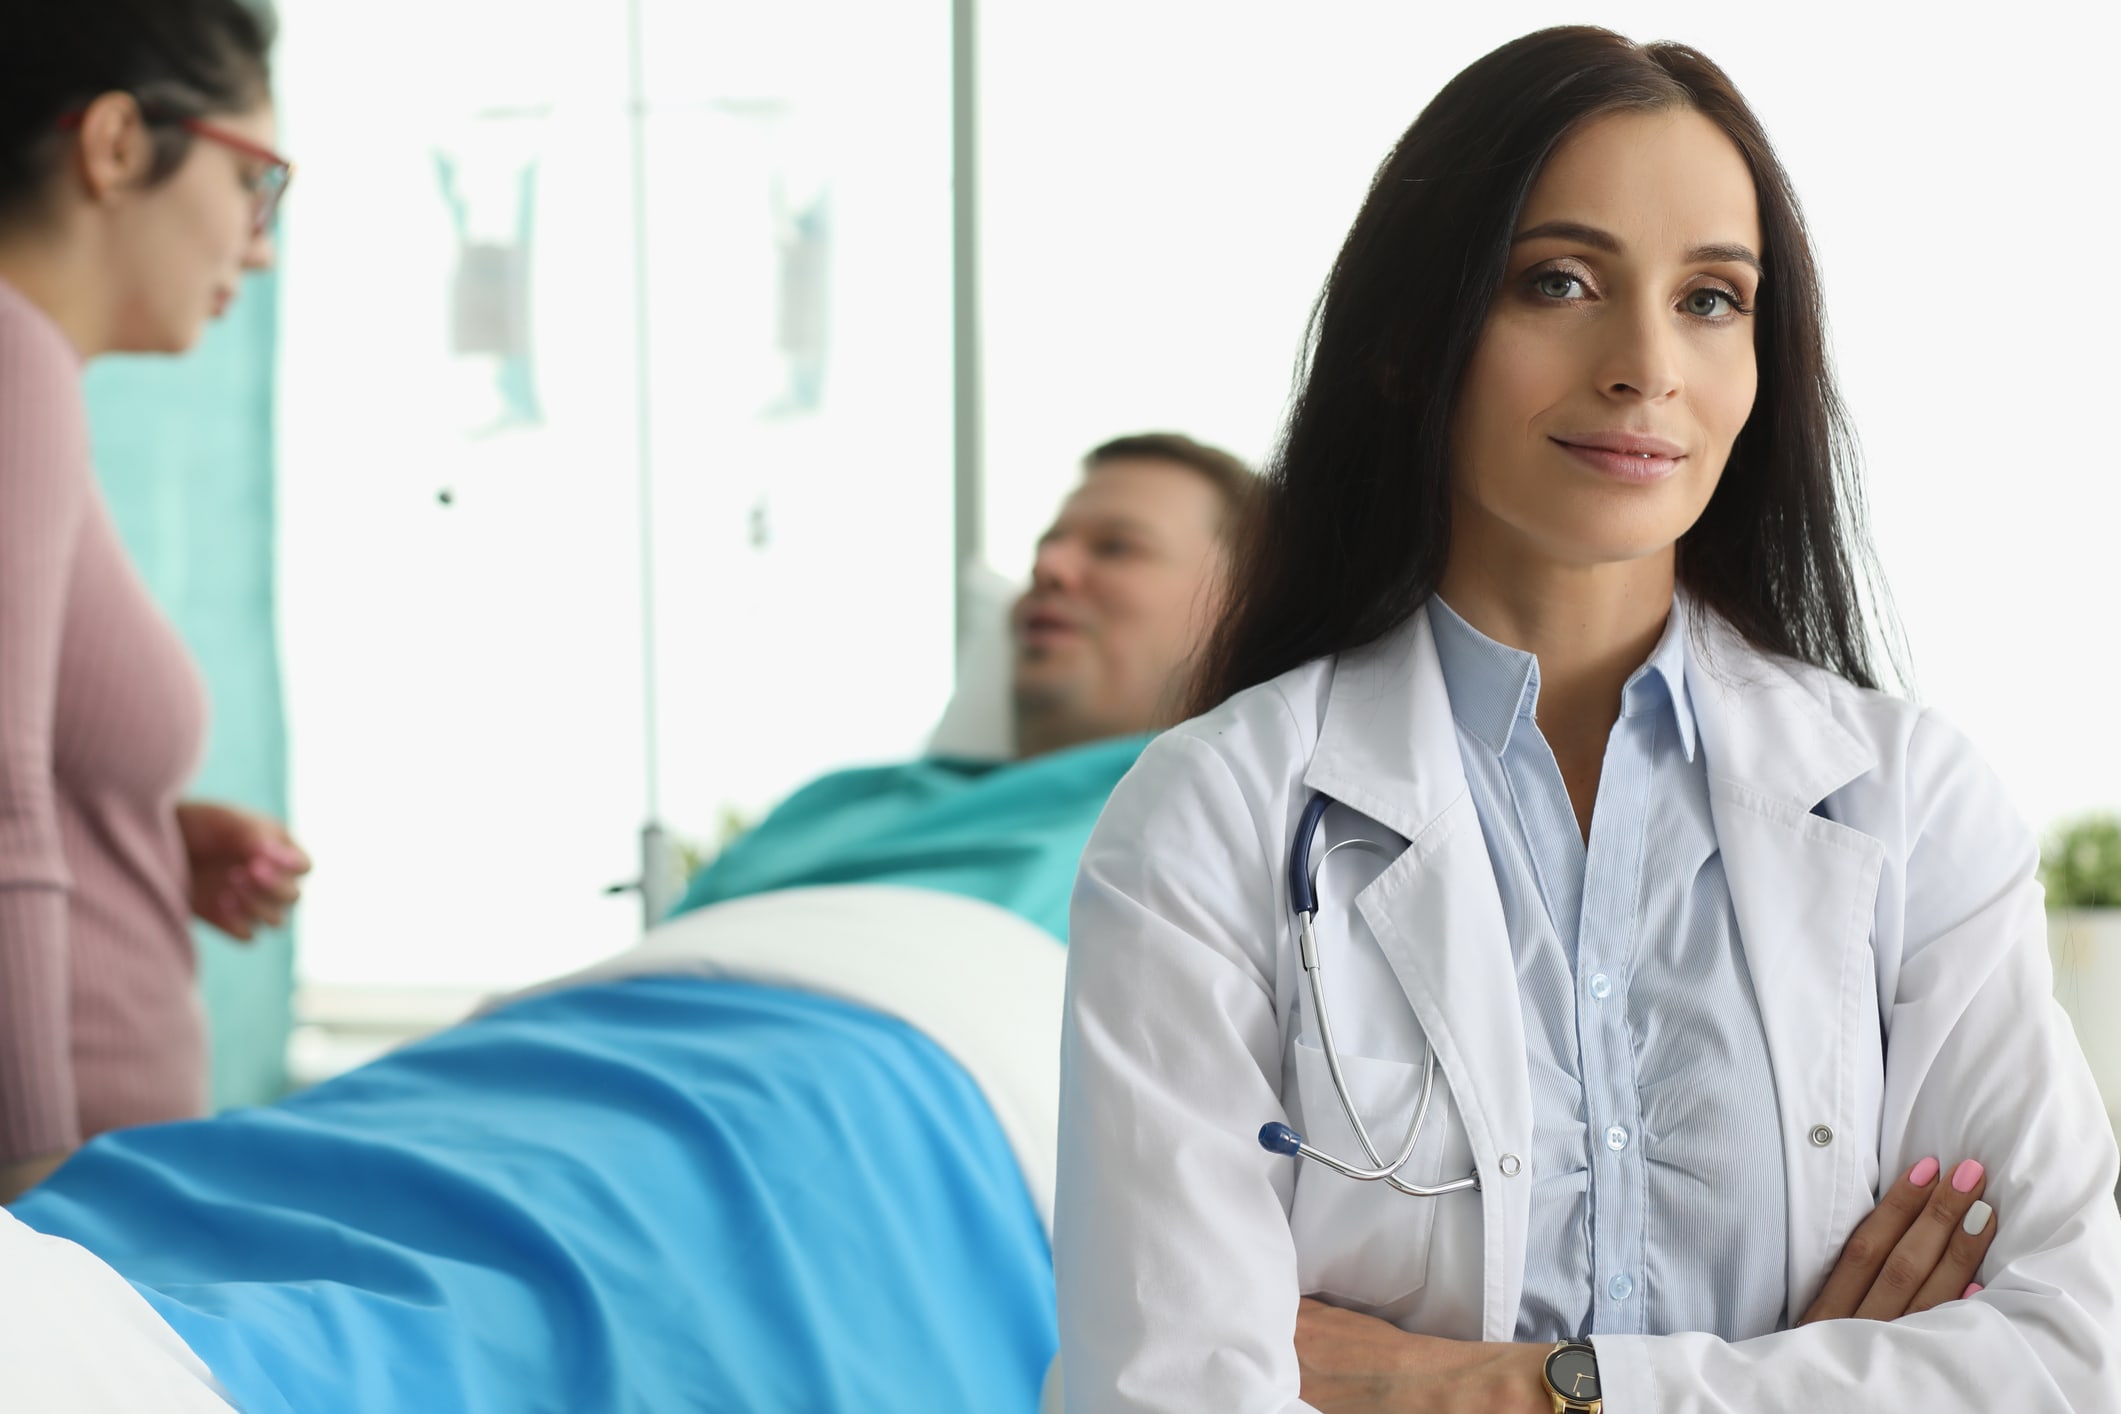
x=260, y=253
x=1642, y=360
x=1058, y=564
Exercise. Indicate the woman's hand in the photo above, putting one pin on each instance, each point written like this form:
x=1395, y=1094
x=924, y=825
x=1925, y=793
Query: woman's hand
x=245, y=870
x=1356, y=1364
x=1914, y=1251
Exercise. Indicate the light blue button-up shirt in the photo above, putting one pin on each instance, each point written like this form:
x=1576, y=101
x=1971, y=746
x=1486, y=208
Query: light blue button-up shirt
x=1656, y=1164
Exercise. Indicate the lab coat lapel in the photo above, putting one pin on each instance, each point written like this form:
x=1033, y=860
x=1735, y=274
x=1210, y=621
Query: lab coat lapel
x=1804, y=890
x=1388, y=748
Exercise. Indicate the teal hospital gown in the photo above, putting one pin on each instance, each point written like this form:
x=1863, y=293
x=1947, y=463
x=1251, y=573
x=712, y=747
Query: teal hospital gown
x=1011, y=832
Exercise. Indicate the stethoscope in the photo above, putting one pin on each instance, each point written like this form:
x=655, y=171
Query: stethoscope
x=1278, y=1138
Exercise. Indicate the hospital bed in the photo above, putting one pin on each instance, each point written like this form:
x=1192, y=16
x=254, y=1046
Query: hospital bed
x=793, y=1152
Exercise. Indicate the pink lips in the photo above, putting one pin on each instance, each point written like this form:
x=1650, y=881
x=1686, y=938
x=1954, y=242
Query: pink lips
x=1634, y=457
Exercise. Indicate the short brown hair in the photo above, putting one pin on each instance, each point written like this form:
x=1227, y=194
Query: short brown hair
x=1231, y=478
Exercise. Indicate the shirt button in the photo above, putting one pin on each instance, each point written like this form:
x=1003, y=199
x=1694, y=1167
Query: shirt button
x=1616, y=1139
x=1601, y=986
x=1621, y=1287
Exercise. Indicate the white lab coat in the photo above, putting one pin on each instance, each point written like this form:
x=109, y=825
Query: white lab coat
x=1897, y=948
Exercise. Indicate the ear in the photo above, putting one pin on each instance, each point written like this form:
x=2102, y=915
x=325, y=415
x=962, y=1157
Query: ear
x=113, y=149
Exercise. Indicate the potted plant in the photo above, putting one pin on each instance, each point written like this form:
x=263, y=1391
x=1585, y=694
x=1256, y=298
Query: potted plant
x=2081, y=867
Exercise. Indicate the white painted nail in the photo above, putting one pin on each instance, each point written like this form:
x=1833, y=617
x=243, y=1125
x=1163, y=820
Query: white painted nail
x=1977, y=1218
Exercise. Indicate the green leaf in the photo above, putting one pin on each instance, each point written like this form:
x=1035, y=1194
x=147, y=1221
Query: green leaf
x=2081, y=863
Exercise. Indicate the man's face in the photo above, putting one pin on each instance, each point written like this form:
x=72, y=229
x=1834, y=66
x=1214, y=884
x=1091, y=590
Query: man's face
x=1125, y=587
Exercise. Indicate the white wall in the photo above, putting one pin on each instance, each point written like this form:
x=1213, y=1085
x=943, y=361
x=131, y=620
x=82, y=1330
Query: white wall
x=1165, y=185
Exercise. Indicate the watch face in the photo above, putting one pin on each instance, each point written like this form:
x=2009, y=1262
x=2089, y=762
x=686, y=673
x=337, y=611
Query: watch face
x=1573, y=1372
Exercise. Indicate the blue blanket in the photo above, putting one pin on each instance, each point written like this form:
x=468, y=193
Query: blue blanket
x=665, y=1194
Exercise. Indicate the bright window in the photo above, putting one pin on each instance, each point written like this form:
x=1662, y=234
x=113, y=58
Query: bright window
x=460, y=416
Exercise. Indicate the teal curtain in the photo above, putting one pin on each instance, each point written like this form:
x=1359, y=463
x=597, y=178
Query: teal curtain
x=184, y=449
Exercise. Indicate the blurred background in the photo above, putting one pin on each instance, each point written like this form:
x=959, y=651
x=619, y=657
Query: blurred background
x=640, y=381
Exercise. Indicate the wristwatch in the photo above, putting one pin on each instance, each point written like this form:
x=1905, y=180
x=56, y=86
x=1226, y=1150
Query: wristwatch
x=1571, y=1373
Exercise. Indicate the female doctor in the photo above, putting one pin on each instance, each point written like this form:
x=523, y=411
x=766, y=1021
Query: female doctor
x=1544, y=719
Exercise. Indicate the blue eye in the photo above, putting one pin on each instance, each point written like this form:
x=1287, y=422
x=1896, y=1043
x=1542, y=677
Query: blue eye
x=1555, y=284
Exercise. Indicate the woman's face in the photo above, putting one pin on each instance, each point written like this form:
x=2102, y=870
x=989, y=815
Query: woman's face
x=1616, y=366
x=190, y=239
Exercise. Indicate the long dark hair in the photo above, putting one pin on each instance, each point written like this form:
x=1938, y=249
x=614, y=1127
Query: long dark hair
x=1353, y=527
x=179, y=58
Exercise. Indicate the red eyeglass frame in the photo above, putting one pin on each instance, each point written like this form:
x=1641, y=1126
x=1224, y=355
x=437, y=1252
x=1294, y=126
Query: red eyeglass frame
x=280, y=172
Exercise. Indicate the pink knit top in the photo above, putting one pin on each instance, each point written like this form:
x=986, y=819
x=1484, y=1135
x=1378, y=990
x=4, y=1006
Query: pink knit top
x=102, y=718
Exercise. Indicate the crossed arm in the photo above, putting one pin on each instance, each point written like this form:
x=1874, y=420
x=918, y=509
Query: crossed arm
x=1919, y=1248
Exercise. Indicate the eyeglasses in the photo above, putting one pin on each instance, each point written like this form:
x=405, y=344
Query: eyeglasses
x=267, y=190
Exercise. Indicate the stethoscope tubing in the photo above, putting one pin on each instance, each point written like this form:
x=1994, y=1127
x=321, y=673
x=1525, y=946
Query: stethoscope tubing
x=1279, y=1138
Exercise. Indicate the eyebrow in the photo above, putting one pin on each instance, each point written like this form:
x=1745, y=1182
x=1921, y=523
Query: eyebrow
x=1610, y=244
x=1102, y=525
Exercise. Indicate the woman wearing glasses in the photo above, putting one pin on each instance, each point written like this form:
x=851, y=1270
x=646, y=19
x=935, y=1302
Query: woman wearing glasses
x=137, y=187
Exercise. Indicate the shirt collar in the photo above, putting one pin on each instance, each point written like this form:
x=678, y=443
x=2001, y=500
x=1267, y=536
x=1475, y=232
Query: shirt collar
x=1493, y=687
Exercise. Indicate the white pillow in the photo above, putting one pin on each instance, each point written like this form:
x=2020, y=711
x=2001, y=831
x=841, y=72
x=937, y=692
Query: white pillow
x=979, y=722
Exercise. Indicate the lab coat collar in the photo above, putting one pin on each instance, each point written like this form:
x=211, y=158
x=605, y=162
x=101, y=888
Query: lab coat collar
x=1386, y=746
x=1766, y=724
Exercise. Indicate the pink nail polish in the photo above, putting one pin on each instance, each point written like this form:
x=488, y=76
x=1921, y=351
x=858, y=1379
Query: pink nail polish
x=1921, y=1174
x=1971, y=1288
x=1966, y=1176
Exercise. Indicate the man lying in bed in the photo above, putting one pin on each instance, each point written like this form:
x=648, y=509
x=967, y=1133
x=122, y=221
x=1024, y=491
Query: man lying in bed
x=678, y=1192
x=1124, y=583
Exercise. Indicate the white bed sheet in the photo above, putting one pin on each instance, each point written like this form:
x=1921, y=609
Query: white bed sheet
x=75, y=1336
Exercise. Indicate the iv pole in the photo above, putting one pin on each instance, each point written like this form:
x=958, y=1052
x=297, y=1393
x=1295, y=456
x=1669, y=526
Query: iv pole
x=658, y=882
x=968, y=432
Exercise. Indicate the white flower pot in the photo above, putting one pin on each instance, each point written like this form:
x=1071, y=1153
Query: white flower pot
x=2085, y=944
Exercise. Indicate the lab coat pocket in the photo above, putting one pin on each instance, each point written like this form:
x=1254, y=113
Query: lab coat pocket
x=1366, y=1244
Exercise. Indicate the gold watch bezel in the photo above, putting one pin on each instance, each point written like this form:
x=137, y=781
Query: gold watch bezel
x=1568, y=1404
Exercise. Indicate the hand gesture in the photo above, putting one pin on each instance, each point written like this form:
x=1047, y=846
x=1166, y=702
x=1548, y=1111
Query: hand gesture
x=1919, y=1248
x=245, y=870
